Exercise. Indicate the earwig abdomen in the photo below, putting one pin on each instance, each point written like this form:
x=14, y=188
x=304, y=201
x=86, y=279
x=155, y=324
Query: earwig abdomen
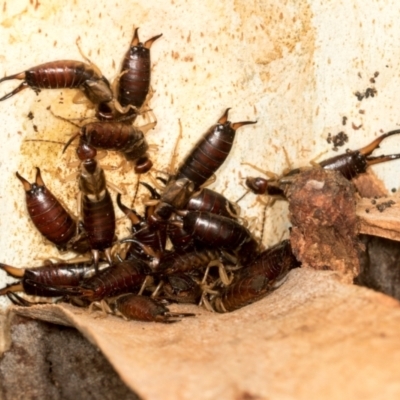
x=120, y=278
x=217, y=231
x=274, y=262
x=47, y=214
x=349, y=164
x=99, y=221
x=243, y=292
x=187, y=261
x=213, y=202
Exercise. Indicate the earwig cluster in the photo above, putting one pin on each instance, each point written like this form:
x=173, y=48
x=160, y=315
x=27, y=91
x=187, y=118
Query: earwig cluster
x=189, y=246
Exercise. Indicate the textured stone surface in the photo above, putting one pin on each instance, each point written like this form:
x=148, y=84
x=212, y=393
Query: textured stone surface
x=47, y=361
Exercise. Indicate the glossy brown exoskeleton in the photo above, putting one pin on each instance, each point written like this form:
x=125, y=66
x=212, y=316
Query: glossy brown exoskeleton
x=64, y=74
x=47, y=214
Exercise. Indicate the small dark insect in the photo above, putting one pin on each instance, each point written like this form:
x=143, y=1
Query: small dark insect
x=47, y=214
x=46, y=280
x=144, y=308
x=134, y=82
x=64, y=74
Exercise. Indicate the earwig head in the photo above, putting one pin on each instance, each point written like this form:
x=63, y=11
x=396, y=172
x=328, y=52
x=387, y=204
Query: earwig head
x=143, y=165
x=257, y=185
x=85, y=152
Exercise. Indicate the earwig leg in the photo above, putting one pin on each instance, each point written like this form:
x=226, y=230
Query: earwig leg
x=144, y=284
x=314, y=162
x=83, y=55
x=107, y=253
x=209, y=181
x=95, y=254
x=19, y=301
x=270, y=174
x=116, y=188
x=174, y=156
x=207, y=305
x=157, y=289
x=22, y=86
x=70, y=177
x=147, y=127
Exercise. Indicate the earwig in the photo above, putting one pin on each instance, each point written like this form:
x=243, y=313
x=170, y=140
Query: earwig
x=48, y=279
x=180, y=239
x=258, y=279
x=143, y=308
x=122, y=277
x=117, y=136
x=349, y=164
x=97, y=208
x=47, y=214
x=134, y=82
x=64, y=74
x=210, y=152
x=221, y=232
x=354, y=163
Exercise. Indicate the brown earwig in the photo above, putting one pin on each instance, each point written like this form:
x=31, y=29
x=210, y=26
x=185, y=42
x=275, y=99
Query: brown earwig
x=48, y=279
x=122, y=277
x=117, y=136
x=64, y=74
x=143, y=308
x=349, y=164
x=97, y=207
x=221, y=232
x=47, y=214
x=210, y=152
x=258, y=279
x=134, y=82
